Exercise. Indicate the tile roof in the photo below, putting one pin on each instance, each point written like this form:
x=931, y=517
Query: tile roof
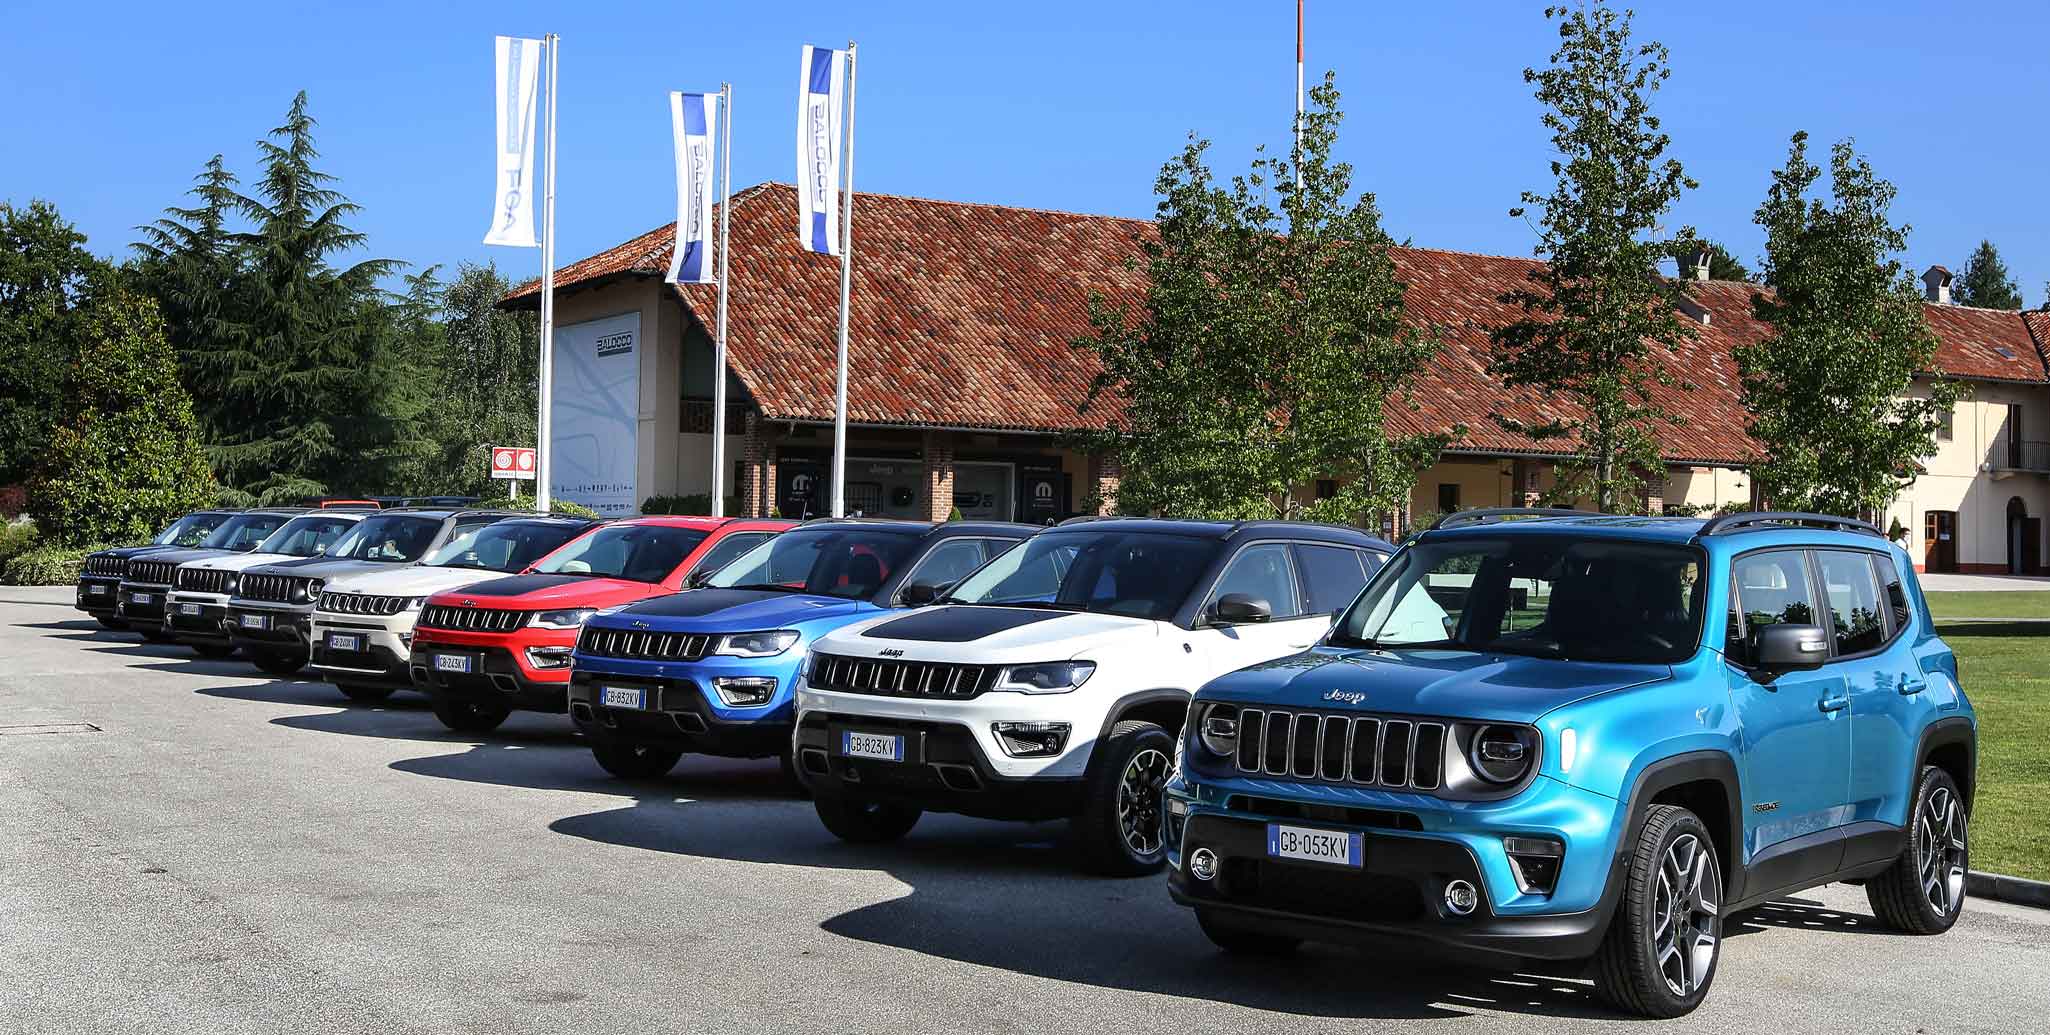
x=963, y=314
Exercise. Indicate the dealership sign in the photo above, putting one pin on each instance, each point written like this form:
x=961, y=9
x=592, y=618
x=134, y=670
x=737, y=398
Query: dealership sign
x=512, y=462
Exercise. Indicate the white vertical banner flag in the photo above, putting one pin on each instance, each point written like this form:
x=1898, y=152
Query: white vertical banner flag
x=821, y=78
x=512, y=207
x=690, y=115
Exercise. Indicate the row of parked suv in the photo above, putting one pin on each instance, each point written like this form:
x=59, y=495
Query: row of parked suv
x=1525, y=734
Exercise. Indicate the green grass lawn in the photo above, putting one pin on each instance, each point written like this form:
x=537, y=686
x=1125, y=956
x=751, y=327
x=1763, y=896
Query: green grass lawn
x=2005, y=668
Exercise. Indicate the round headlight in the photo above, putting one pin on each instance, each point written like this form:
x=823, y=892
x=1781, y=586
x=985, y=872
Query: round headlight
x=1218, y=729
x=1502, y=754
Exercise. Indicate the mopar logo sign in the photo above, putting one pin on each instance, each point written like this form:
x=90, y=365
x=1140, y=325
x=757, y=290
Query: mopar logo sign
x=1345, y=696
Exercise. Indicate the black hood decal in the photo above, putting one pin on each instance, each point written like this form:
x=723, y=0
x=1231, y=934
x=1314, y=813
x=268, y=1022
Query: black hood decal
x=700, y=602
x=958, y=624
x=516, y=585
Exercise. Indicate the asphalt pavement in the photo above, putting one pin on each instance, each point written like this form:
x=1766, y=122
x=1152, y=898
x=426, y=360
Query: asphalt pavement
x=187, y=846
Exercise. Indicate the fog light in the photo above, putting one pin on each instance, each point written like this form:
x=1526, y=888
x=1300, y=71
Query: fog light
x=741, y=691
x=539, y=657
x=1461, y=898
x=1031, y=739
x=1534, y=861
x=1203, y=864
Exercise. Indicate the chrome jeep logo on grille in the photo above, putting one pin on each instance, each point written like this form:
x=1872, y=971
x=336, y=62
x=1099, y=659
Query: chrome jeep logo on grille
x=469, y=603
x=640, y=625
x=892, y=652
x=1345, y=696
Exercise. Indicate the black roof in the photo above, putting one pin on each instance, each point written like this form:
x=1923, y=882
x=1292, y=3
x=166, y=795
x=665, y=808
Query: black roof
x=905, y=526
x=1344, y=535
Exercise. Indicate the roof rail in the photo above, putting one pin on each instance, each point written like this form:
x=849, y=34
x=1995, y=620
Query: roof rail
x=1753, y=521
x=1483, y=515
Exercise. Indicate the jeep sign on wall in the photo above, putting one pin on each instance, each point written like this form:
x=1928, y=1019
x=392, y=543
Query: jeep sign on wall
x=596, y=414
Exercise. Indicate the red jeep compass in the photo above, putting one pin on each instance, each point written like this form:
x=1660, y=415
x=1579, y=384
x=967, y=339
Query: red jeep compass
x=485, y=650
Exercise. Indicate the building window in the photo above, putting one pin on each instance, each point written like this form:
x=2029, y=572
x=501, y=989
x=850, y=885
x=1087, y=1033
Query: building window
x=1327, y=488
x=1448, y=497
x=1946, y=424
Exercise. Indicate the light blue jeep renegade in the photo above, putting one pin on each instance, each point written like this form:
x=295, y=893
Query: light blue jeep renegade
x=1571, y=736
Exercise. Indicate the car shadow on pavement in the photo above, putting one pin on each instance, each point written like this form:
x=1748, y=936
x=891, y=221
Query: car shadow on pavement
x=1802, y=914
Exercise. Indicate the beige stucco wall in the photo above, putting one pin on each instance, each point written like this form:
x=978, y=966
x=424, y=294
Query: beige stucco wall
x=1968, y=475
x=1708, y=488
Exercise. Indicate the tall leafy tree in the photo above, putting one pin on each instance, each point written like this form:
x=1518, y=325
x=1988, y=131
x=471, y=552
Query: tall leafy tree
x=1597, y=314
x=191, y=261
x=483, y=378
x=1828, y=392
x=44, y=268
x=1721, y=264
x=1270, y=347
x=1985, y=283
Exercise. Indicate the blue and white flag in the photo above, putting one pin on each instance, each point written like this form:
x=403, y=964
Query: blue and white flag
x=512, y=207
x=690, y=114
x=821, y=79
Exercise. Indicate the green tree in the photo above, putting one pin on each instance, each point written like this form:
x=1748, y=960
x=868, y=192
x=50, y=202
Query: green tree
x=43, y=268
x=1598, y=314
x=1269, y=347
x=484, y=378
x=125, y=458
x=1827, y=393
x=1985, y=283
x=190, y=261
x=1721, y=264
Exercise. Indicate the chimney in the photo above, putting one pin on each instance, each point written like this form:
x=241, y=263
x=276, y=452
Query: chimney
x=1701, y=254
x=1936, y=285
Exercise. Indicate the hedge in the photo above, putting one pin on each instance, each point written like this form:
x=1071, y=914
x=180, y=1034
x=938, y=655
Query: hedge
x=559, y=508
x=48, y=565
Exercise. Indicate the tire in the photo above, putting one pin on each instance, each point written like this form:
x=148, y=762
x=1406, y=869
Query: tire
x=277, y=663
x=862, y=821
x=215, y=651
x=635, y=761
x=364, y=694
x=115, y=624
x=1119, y=833
x=1660, y=954
x=1923, y=892
x=468, y=717
x=1243, y=941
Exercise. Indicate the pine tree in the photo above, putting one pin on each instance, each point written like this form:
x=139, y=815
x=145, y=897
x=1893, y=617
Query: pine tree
x=190, y=262
x=1598, y=312
x=44, y=267
x=1985, y=283
x=1827, y=393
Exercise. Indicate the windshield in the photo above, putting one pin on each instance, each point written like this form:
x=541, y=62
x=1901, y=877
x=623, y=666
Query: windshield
x=1138, y=574
x=642, y=553
x=307, y=535
x=399, y=538
x=190, y=530
x=245, y=531
x=1543, y=595
x=506, y=546
x=834, y=562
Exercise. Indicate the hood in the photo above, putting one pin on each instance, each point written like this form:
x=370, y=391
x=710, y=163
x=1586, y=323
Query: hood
x=412, y=580
x=735, y=610
x=992, y=635
x=138, y=551
x=186, y=555
x=323, y=568
x=238, y=561
x=1444, y=684
x=553, y=592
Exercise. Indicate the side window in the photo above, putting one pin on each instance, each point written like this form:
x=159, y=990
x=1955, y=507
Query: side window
x=1854, y=604
x=725, y=550
x=1332, y=575
x=1263, y=572
x=950, y=562
x=1769, y=588
x=1894, y=585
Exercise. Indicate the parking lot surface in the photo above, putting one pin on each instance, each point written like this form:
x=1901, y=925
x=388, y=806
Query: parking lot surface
x=186, y=846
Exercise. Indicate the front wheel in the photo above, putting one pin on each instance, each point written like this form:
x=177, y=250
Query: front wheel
x=1119, y=832
x=635, y=761
x=1923, y=892
x=152, y=633
x=863, y=821
x=277, y=663
x=1660, y=953
x=115, y=624
x=469, y=716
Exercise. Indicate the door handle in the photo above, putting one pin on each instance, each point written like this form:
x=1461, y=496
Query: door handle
x=1834, y=702
x=1911, y=687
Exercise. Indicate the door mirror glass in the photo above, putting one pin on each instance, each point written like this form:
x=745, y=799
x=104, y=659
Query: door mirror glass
x=1241, y=609
x=1789, y=648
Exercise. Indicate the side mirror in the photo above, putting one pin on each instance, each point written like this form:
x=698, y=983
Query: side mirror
x=1789, y=648
x=919, y=594
x=699, y=577
x=1241, y=609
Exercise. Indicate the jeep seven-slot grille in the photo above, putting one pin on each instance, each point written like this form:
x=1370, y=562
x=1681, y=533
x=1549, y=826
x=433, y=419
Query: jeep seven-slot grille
x=644, y=646
x=1369, y=750
x=471, y=619
x=97, y=565
x=151, y=573
x=276, y=588
x=202, y=580
x=361, y=604
x=887, y=677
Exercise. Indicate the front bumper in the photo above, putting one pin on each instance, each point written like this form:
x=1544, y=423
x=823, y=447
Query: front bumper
x=494, y=678
x=268, y=627
x=141, y=604
x=1085, y=710
x=680, y=714
x=197, y=618
x=1413, y=846
x=945, y=769
x=97, y=595
x=381, y=652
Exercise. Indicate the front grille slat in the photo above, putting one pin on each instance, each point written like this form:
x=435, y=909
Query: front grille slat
x=201, y=580
x=642, y=646
x=150, y=573
x=361, y=604
x=1397, y=754
x=891, y=677
x=470, y=619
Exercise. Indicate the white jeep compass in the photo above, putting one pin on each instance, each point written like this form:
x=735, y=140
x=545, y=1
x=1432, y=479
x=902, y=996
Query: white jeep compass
x=1051, y=683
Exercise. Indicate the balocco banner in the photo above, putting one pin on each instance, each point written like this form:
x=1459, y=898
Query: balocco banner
x=691, y=118
x=512, y=206
x=595, y=414
x=821, y=77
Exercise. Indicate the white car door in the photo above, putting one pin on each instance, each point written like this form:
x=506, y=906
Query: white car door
x=1265, y=572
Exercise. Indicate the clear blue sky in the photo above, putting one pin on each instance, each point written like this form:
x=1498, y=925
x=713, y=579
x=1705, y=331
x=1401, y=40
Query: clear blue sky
x=110, y=108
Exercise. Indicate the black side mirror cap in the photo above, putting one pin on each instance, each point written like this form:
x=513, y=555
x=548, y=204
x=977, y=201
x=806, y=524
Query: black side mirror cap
x=919, y=594
x=1241, y=609
x=1789, y=648
x=698, y=578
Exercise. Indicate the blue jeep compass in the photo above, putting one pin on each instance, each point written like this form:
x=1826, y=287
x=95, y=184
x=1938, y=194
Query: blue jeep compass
x=1572, y=736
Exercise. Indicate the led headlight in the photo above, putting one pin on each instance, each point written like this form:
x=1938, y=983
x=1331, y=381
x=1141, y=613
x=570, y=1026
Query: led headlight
x=1217, y=727
x=570, y=618
x=1052, y=677
x=757, y=644
x=309, y=590
x=1502, y=754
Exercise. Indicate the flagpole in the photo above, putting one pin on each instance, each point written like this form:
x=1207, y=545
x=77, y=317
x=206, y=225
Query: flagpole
x=725, y=274
x=542, y=462
x=846, y=296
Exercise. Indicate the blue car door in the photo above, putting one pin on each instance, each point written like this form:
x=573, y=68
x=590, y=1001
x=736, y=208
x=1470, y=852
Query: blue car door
x=1797, y=737
x=1885, y=683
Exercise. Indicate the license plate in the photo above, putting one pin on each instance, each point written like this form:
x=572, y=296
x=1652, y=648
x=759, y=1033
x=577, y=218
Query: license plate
x=1308, y=844
x=452, y=662
x=884, y=746
x=139, y=598
x=255, y=621
x=623, y=697
x=188, y=609
x=96, y=589
x=340, y=641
